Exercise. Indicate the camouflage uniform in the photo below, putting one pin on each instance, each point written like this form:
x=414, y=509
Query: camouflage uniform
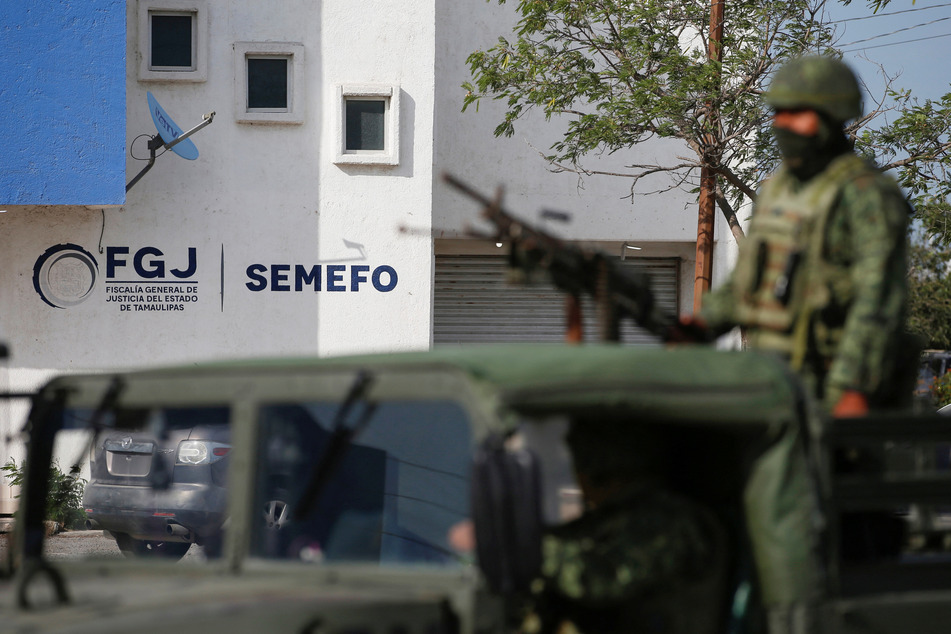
x=821, y=276
x=630, y=563
x=631, y=566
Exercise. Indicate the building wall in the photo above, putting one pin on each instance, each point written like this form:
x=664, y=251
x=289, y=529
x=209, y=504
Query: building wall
x=263, y=198
x=199, y=262
x=267, y=196
x=663, y=223
x=369, y=205
x=231, y=227
x=62, y=95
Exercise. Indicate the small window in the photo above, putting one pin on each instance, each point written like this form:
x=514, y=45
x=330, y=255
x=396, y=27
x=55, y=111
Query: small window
x=172, y=37
x=172, y=41
x=268, y=86
x=369, y=125
x=365, y=125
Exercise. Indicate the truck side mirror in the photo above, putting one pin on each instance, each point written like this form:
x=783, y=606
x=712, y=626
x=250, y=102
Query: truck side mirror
x=506, y=512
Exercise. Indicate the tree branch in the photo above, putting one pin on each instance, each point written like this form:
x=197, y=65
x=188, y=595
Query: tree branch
x=730, y=215
x=734, y=180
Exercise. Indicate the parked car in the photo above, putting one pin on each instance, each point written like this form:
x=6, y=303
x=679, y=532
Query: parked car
x=157, y=494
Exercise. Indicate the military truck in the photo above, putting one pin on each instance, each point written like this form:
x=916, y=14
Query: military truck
x=350, y=479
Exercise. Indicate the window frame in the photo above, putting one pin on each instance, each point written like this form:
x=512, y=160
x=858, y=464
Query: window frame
x=293, y=52
x=288, y=79
x=390, y=95
x=198, y=9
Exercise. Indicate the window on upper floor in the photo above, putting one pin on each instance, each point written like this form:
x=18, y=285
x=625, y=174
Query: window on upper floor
x=269, y=82
x=172, y=40
x=172, y=45
x=368, y=125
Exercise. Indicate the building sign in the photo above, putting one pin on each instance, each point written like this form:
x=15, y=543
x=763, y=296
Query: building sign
x=149, y=279
x=330, y=277
x=143, y=280
x=164, y=288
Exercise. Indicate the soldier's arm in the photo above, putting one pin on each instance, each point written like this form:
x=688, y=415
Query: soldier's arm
x=872, y=221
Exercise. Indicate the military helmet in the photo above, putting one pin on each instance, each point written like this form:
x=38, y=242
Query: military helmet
x=824, y=84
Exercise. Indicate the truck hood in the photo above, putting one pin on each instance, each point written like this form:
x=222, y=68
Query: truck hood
x=269, y=599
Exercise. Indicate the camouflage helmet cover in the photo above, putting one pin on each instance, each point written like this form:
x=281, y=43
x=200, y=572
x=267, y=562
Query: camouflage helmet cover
x=824, y=84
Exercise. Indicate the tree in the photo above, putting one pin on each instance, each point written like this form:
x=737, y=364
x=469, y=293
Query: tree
x=624, y=72
x=916, y=145
x=929, y=292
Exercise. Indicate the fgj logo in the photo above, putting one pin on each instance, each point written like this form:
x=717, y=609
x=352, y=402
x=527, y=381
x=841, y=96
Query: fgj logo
x=65, y=275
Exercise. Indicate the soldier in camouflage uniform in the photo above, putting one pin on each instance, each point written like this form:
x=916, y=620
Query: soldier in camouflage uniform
x=821, y=277
x=639, y=555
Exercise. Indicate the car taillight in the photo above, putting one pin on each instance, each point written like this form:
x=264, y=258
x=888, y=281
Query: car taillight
x=195, y=452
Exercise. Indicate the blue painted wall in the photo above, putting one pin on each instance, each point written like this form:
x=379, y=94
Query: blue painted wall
x=62, y=102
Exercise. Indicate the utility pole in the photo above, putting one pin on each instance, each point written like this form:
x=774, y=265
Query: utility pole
x=708, y=177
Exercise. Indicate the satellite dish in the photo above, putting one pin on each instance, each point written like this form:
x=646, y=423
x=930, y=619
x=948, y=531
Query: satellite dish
x=169, y=131
x=169, y=136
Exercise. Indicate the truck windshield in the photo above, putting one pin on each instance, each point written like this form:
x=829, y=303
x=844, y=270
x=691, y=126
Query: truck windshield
x=397, y=492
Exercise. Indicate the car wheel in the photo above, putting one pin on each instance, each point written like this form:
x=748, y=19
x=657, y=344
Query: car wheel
x=276, y=514
x=133, y=548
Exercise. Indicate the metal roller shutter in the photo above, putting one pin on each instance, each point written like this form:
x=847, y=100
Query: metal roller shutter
x=474, y=303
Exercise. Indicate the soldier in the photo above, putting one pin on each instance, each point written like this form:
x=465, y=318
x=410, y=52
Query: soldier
x=821, y=277
x=638, y=554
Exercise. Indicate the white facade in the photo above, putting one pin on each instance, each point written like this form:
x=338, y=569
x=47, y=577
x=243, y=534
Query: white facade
x=269, y=193
x=662, y=224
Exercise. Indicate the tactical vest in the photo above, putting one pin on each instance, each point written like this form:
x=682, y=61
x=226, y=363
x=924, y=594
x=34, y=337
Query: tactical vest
x=781, y=278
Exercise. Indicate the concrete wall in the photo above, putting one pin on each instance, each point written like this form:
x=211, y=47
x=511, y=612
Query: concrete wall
x=466, y=146
x=368, y=204
x=665, y=224
x=267, y=196
x=62, y=95
x=200, y=261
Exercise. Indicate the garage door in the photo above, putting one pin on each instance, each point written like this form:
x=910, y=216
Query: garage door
x=475, y=303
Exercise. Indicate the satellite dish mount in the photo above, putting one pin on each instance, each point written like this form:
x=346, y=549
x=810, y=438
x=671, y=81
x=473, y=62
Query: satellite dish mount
x=169, y=136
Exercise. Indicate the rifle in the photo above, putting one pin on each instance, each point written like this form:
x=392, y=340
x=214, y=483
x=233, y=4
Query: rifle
x=618, y=292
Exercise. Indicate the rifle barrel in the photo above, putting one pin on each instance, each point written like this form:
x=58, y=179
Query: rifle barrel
x=618, y=292
x=468, y=191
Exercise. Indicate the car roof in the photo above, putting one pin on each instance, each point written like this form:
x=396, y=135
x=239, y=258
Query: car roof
x=696, y=383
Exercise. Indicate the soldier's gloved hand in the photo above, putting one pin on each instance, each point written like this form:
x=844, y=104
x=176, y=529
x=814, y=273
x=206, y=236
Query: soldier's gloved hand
x=852, y=404
x=689, y=329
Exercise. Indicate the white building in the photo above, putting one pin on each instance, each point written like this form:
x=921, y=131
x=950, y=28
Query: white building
x=283, y=237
